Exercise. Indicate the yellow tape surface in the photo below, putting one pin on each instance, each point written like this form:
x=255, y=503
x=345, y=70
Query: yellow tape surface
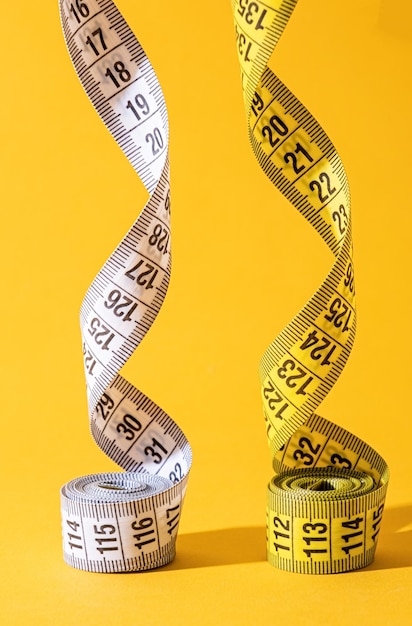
x=326, y=501
x=126, y=521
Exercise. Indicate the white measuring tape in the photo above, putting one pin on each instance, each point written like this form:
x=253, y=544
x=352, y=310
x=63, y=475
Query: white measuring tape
x=325, y=503
x=125, y=521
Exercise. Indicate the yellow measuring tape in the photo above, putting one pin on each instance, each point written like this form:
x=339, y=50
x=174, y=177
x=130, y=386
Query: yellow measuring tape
x=125, y=521
x=326, y=500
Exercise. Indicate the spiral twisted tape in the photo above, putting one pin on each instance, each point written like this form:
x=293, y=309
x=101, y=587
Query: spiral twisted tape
x=125, y=521
x=326, y=501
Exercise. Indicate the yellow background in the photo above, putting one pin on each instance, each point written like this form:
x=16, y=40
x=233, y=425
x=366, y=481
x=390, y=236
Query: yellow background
x=244, y=262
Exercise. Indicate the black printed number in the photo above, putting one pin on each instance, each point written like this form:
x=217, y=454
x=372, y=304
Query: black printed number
x=243, y=45
x=320, y=184
x=104, y=539
x=281, y=532
x=145, y=532
x=129, y=426
x=79, y=10
x=176, y=475
x=252, y=14
x=119, y=73
x=89, y=360
x=321, y=348
x=143, y=273
x=105, y=406
x=339, y=314
x=301, y=454
x=156, y=451
x=159, y=238
x=356, y=525
x=341, y=461
x=257, y=104
x=139, y=106
x=294, y=158
x=122, y=306
x=314, y=538
x=100, y=333
x=275, y=400
x=75, y=540
x=341, y=219
x=276, y=129
x=97, y=37
x=349, y=278
x=155, y=140
x=172, y=516
x=298, y=380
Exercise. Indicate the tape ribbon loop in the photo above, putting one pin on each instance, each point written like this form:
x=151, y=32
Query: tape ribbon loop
x=325, y=504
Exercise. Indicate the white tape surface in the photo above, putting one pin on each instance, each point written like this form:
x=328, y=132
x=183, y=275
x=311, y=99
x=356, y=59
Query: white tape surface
x=125, y=521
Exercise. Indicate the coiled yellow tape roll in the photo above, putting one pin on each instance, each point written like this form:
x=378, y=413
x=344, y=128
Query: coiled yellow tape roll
x=125, y=521
x=326, y=501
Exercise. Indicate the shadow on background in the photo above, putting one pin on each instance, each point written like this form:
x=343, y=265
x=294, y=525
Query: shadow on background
x=395, y=539
x=233, y=546
x=229, y=546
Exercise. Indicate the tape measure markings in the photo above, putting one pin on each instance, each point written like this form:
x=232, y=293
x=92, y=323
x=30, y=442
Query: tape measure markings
x=99, y=99
x=146, y=411
x=117, y=312
x=317, y=487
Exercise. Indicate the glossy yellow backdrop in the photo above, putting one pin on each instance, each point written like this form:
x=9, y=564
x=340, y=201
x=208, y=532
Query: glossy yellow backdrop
x=244, y=263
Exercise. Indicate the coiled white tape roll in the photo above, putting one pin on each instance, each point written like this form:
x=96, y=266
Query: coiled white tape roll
x=125, y=521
